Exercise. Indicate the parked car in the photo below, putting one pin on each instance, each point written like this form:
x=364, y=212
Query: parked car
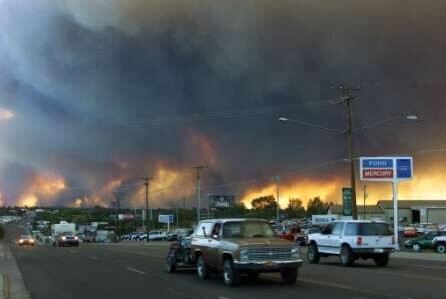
x=242, y=246
x=410, y=232
x=26, y=240
x=351, y=240
x=157, y=236
x=439, y=244
x=295, y=234
x=424, y=242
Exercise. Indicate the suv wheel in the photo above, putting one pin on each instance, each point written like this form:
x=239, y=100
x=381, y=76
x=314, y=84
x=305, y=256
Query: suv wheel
x=416, y=247
x=381, y=260
x=313, y=255
x=346, y=256
x=202, y=270
x=231, y=276
x=441, y=248
x=289, y=275
x=170, y=264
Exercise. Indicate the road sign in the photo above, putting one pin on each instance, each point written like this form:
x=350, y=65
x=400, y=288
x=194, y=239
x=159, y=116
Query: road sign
x=165, y=219
x=347, y=204
x=386, y=169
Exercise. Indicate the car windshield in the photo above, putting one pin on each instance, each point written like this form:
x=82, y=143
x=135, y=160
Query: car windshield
x=247, y=229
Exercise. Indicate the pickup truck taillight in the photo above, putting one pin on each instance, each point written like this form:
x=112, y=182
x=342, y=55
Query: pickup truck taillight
x=359, y=241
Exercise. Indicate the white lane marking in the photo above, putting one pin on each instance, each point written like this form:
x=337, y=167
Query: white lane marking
x=350, y=288
x=72, y=251
x=223, y=297
x=93, y=257
x=136, y=271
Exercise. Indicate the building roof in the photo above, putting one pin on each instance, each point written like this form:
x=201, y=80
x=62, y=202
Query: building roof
x=369, y=209
x=407, y=204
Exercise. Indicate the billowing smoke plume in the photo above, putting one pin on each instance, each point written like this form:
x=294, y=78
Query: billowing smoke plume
x=98, y=92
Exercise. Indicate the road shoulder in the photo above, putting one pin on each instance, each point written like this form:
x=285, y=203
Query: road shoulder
x=12, y=285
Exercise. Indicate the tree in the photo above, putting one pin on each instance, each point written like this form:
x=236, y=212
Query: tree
x=295, y=208
x=316, y=206
x=264, y=203
x=264, y=207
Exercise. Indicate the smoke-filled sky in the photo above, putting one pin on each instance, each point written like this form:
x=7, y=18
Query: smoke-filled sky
x=96, y=94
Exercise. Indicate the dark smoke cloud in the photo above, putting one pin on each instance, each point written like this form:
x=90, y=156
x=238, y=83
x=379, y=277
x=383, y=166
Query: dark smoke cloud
x=94, y=83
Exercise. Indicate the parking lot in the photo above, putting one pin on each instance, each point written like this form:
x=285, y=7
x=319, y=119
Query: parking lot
x=137, y=270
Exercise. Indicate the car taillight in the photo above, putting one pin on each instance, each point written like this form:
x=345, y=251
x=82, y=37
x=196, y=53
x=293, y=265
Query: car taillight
x=359, y=241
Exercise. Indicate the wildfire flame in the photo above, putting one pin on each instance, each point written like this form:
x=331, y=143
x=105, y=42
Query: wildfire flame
x=43, y=189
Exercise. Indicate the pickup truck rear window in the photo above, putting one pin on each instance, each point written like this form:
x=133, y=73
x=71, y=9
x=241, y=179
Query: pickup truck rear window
x=367, y=229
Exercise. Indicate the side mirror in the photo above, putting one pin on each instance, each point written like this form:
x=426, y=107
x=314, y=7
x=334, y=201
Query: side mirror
x=204, y=231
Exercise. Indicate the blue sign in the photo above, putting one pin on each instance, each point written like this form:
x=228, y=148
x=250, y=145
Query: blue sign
x=403, y=168
x=165, y=218
x=377, y=163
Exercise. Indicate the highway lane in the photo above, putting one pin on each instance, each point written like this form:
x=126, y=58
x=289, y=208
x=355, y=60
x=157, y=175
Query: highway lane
x=133, y=271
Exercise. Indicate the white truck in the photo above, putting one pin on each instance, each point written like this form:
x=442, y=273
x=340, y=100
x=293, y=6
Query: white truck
x=439, y=244
x=64, y=233
x=352, y=240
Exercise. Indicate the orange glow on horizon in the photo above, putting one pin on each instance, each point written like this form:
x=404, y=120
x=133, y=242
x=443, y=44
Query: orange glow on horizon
x=304, y=189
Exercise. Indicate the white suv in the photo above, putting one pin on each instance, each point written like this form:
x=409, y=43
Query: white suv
x=439, y=244
x=351, y=240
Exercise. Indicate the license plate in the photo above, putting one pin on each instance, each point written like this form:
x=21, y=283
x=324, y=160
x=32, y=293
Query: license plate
x=378, y=250
x=270, y=265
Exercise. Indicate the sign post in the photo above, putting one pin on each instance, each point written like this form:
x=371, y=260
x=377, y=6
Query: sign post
x=388, y=169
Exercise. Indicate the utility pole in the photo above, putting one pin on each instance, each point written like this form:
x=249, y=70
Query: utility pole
x=146, y=183
x=197, y=170
x=365, y=196
x=346, y=97
x=118, y=196
x=277, y=180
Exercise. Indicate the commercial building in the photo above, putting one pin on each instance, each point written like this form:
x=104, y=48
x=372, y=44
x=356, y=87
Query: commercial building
x=416, y=211
x=372, y=212
x=409, y=211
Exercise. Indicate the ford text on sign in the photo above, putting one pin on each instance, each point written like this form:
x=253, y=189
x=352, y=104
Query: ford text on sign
x=377, y=163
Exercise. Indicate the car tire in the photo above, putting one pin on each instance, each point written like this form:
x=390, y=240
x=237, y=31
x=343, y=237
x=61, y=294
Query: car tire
x=171, y=266
x=416, y=247
x=313, y=255
x=381, y=260
x=202, y=270
x=231, y=276
x=441, y=248
x=346, y=257
x=289, y=276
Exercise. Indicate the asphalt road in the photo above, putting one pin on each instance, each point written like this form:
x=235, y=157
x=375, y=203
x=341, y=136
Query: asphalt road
x=136, y=271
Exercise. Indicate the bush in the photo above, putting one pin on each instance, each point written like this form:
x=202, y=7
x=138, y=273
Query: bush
x=2, y=232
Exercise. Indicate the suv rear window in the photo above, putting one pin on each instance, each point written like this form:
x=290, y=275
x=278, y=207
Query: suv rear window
x=367, y=229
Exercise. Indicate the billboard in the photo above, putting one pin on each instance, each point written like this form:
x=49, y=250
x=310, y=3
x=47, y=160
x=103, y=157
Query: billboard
x=221, y=201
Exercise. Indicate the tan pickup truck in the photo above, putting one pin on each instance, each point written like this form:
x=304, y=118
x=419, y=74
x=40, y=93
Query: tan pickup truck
x=243, y=246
